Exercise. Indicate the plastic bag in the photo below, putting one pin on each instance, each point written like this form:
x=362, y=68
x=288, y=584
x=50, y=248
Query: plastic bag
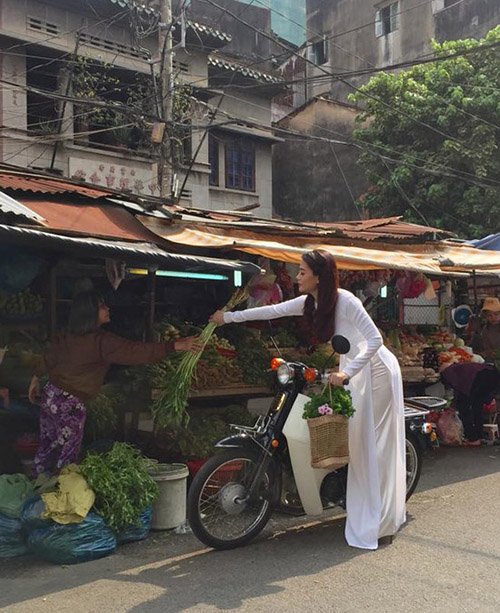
x=12, y=541
x=450, y=428
x=14, y=490
x=137, y=533
x=32, y=514
x=73, y=543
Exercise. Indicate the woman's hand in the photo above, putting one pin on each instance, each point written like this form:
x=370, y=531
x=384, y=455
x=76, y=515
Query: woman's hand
x=217, y=318
x=34, y=390
x=338, y=378
x=189, y=343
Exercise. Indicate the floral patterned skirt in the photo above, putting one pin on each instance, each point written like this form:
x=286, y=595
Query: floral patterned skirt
x=62, y=419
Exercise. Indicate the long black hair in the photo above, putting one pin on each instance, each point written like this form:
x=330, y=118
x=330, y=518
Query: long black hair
x=321, y=316
x=84, y=313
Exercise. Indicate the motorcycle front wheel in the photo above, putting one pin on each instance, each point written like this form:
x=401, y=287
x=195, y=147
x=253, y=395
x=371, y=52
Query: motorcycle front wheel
x=219, y=512
x=413, y=463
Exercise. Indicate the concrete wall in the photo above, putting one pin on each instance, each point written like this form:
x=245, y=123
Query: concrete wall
x=353, y=44
x=246, y=42
x=309, y=183
x=472, y=19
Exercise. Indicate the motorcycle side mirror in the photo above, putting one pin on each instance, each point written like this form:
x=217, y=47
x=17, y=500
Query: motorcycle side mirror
x=340, y=344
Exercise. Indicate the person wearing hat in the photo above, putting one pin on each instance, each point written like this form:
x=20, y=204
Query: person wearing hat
x=487, y=341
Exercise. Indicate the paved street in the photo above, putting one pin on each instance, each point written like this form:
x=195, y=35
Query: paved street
x=447, y=558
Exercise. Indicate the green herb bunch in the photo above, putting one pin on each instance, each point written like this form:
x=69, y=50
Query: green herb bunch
x=121, y=483
x=169, y=410
x=336, y=398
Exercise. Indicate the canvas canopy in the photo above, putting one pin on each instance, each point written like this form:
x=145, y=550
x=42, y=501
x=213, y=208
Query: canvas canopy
x=438, y=258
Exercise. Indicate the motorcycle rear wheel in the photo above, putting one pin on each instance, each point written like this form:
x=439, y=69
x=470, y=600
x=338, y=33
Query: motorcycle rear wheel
x=413, y=463
x=217, y=512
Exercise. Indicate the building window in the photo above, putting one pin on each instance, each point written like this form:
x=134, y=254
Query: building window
x=42, y=111
x=386, y=19
x=240, y=164
x=213, y=159
x=320, y=52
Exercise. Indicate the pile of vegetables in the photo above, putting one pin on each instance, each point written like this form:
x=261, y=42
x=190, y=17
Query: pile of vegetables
x=23, y=303
x=197, y=439
x=121, y=483
x=169, y=409
x=101, y=417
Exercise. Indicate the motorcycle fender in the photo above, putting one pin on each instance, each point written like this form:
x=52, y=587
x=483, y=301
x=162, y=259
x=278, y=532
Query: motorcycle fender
x=237, y=441
x=307, y=479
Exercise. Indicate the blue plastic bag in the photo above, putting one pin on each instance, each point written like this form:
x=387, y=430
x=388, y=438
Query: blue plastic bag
x=73, y=543
x=137, y=533
x=12, y=542
x=31, y=514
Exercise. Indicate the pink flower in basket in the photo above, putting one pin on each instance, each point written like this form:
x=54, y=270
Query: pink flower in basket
x=324, y=409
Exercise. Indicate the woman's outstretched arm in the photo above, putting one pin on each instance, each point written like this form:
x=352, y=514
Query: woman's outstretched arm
x=289, y=308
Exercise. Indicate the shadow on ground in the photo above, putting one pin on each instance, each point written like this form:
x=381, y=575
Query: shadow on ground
x=181, y=571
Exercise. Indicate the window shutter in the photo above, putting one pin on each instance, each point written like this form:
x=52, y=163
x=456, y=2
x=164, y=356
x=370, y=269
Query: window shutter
x=394, y=16
x=378, y=24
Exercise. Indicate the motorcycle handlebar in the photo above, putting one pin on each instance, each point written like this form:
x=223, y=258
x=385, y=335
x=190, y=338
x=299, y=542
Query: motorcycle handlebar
x=325, y=377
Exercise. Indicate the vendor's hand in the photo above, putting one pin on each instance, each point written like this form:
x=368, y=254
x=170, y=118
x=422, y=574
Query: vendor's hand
x=189, y=343
x=217, y=318
x=337, y=378
x=34, y=390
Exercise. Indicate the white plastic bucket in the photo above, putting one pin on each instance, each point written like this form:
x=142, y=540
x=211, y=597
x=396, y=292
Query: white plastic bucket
x=169, y=509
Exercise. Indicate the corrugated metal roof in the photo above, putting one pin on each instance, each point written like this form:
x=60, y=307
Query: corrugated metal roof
x=141, y=253
x=232, y=66
x=90, y=219
x=9, y=205
x=141, y=6
x=209, y=31
x=386, y=228
x=18, y=181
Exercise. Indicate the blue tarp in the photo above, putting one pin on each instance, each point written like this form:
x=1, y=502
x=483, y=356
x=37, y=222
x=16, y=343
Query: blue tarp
x=491, y=242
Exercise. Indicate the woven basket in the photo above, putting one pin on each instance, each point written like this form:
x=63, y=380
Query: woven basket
x=329, y=436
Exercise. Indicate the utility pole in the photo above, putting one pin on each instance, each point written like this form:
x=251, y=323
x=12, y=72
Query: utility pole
x=167, y=90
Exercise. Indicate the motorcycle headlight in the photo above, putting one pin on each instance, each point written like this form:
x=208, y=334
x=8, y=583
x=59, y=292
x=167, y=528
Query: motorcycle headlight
x=284, y=373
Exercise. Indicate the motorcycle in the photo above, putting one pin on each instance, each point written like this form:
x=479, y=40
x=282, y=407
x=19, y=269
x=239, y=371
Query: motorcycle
x=267, y=466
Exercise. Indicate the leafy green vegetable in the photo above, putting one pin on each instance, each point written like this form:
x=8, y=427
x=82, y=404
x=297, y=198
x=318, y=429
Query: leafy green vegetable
x=336, y=397
x=170, y=408
x=121, y=483
x=101, y=417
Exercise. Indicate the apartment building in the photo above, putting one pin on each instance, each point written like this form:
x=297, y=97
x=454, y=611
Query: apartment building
x=78, y=99
x=350, y=35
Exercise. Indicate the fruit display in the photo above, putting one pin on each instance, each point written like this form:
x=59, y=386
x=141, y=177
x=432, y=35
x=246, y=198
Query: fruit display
x=21, y=304
x=422, y=357
x=416, y=358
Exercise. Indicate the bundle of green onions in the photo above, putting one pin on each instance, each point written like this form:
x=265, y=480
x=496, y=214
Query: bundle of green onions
x=169, y=409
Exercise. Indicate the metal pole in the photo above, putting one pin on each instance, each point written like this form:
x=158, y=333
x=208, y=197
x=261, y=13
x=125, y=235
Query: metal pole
x=474, y=284
x=165, y=47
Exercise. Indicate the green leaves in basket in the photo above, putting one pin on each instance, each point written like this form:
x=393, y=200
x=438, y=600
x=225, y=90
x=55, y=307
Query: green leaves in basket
x=336, y=398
